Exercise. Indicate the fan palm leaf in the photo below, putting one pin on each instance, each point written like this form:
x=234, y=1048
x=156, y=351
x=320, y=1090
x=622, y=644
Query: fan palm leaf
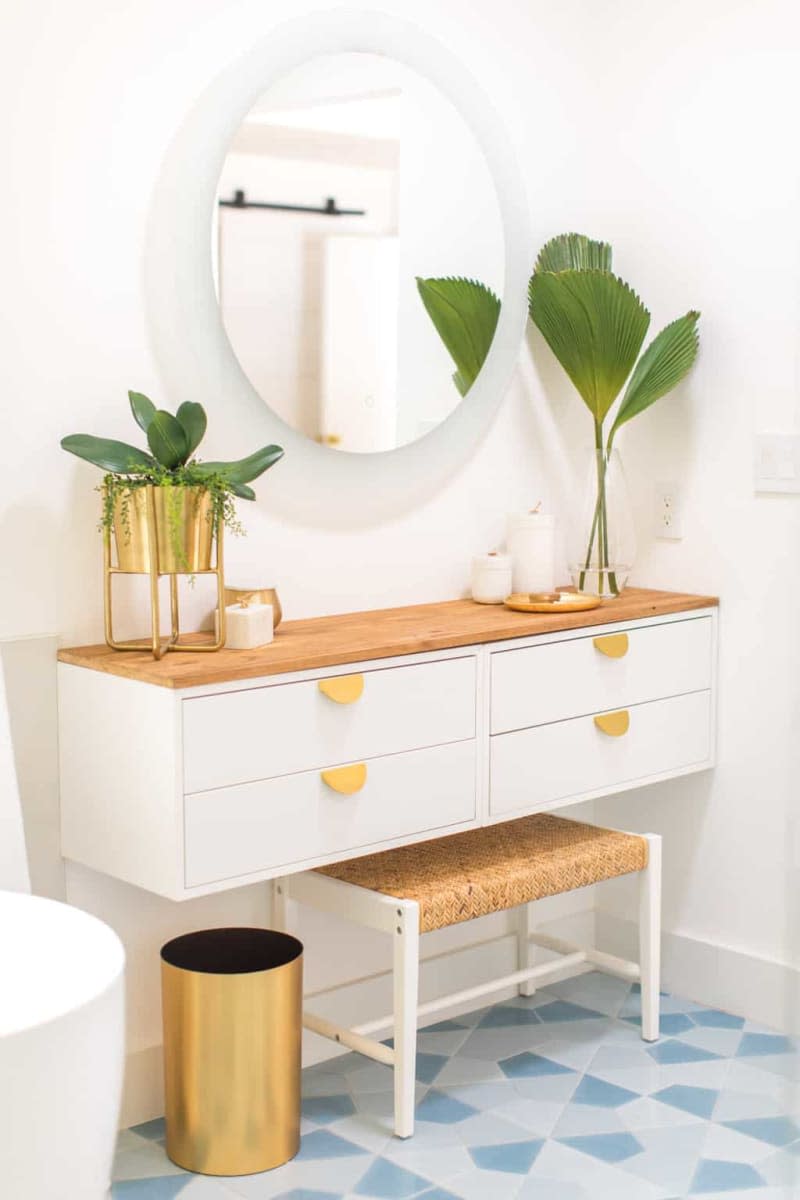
x=666, y=361
x=574, y=252
x=595, y=325
x=465, y=314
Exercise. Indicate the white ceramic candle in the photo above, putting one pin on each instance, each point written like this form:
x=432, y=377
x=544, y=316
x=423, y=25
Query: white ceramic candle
x=532, y=546
x=248, y=626
x=491, y=578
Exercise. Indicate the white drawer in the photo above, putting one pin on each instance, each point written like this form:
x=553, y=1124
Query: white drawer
x=262, y=732
x=535, y=768
x=538, y=684
x=276, y=822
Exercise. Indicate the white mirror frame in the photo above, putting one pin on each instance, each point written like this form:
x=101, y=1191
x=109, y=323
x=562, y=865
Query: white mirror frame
x=314, y=484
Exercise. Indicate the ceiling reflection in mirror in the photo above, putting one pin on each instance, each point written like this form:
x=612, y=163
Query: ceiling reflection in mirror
x=358, y=249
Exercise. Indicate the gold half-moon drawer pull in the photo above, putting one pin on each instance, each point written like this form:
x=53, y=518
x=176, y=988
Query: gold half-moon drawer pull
x=346, y=780
x=342, y=689
x=613, y=645
x=614, y=724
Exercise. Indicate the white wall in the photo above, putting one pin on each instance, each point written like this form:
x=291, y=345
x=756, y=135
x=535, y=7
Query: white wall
x=670, y=130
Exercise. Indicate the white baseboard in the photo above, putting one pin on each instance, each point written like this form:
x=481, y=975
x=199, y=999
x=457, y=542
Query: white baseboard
x=349, y=1004
x=760, y=989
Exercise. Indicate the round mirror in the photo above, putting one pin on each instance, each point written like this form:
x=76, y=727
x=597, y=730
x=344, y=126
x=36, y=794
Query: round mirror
x=455, y=216
x=359, y=252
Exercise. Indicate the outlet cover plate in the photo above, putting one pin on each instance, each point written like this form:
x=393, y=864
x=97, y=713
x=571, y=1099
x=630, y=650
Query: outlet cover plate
x=777, y=462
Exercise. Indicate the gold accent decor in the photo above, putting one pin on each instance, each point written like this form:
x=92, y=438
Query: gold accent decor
x=146, y=523
x=258, y=596
x=615, y=724
x=613, y=645
x=346, y=780
x=232, y=1059
x=481, y=871
x=543, y=602
x=342, y=689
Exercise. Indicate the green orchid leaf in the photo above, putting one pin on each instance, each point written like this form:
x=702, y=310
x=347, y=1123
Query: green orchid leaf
x=465, y=314
x=167, y=440
x=117, y=457
x=193, y=420
x=246, y=469
x=574, y=252
x=243, y=491
x=142, y=408
x=595, y=325
x=666, y=361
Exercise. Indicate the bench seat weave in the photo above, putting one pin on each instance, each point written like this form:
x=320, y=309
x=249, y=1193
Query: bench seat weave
x=486, y=870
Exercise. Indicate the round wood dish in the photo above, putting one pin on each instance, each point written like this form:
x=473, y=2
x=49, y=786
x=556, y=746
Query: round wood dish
x=545, y=602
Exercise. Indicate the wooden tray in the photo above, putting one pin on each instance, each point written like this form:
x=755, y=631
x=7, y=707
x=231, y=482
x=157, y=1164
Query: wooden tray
x=567, y=602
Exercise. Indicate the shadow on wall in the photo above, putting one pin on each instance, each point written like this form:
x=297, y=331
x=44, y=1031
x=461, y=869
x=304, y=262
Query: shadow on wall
x=29, y=667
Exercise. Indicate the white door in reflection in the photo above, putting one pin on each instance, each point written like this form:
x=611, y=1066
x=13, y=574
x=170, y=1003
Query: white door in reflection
x=360, y=280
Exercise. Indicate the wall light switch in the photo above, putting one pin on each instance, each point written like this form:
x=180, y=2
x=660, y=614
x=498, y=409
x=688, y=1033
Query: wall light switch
x=777, y=462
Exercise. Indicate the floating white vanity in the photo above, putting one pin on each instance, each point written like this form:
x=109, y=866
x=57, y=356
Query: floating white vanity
x=360, y=732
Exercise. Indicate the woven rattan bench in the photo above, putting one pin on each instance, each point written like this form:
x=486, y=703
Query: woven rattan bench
x=420, y=888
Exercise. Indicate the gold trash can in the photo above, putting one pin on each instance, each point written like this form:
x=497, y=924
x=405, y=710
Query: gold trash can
x=232, y=1007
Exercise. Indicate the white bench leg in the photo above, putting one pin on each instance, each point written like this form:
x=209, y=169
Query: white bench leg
x=650, y=939
x=524, y=922
x=406, y=995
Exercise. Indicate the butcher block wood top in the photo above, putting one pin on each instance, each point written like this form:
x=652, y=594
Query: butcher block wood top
x=382, y=633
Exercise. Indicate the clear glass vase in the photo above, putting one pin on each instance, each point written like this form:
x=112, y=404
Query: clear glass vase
x=602, y=539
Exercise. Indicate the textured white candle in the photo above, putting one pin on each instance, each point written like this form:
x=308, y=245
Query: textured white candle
x=491, y=578
x=531, y=543
x=248, y=626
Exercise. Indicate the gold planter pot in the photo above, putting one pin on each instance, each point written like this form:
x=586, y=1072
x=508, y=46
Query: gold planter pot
x=232, y=1006
x=184, y=530
x=164, y=531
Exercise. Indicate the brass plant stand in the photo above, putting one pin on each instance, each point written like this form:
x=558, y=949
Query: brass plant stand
x=146, y=551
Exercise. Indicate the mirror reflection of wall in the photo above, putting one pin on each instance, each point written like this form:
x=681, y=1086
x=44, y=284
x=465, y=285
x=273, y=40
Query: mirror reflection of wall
x=322, y=309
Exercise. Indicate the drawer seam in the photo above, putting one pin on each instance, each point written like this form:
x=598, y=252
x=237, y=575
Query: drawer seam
x=223, y=787
x=598, y=711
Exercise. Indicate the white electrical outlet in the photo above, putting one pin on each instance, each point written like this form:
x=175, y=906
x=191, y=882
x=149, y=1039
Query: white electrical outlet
x=668, y=512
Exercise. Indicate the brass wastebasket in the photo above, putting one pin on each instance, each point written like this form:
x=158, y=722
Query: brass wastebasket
x=232, y=1006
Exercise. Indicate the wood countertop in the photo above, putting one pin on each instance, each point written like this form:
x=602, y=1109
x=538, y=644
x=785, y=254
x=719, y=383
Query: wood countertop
x=361, y=636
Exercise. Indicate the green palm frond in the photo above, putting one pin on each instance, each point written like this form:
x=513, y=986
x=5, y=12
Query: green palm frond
x=666, y=361
x=595, y=325
x=465, y=314
x=574, y=252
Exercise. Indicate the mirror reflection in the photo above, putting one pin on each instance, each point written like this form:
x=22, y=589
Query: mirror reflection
x=352, y=194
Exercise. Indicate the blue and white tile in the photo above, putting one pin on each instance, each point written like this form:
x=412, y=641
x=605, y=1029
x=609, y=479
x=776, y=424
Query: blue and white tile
x=732, y=1146
x=491, y=1129
x=552, y=1097
x=170, y=1187
x=603, y=993
x=460, y=1071
x=140, y=1159
x=476, y=1184
x=669, y=1157
x=601, y=1181
x=339, y=1176
x=437, y=1163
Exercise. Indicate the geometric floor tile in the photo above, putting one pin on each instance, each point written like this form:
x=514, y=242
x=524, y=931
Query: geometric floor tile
x=599, y=1094
x=674, y=1051
x=609, y=1147
x=548, y=1097
x=700, y=1101
x=776, y=1131
x=717, y=1175
x=515, y=1157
